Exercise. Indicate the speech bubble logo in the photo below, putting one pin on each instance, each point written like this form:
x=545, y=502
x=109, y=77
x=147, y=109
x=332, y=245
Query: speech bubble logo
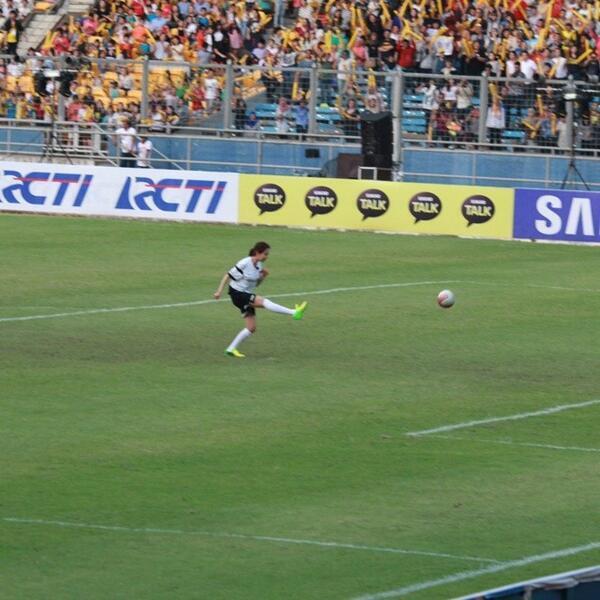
x=424, y=206
x=477, y=209
x=320, y=200
x=372, y=203
x=269, y=198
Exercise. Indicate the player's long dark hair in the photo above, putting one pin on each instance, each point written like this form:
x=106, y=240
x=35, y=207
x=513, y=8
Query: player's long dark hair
x=259, y=248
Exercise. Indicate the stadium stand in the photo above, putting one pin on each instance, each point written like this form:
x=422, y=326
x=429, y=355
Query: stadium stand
x=534, y=46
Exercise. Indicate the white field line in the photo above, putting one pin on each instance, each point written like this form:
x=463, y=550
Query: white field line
x=242, y=536
x=526, y=415
x=511, y=443
x=94, y=311
x=461, y=576
x=118, y=309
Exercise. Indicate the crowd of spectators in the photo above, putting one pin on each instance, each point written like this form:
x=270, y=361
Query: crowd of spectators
x=528, y=42
x=531, y=114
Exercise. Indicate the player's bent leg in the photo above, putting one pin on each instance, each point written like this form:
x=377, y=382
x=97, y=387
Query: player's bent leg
x=250, y=323
x=258, y=302
x=241, y=336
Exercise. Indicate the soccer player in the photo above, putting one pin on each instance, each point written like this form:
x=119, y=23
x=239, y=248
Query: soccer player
x=243, y=279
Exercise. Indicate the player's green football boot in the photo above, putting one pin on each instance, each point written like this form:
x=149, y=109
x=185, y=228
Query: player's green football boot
x=235, y=353
x=299, y=312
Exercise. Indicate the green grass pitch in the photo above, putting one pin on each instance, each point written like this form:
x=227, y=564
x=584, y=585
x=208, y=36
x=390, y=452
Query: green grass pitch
x=194, y=475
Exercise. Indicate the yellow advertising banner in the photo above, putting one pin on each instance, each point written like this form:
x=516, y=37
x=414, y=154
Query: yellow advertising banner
x=484, y=212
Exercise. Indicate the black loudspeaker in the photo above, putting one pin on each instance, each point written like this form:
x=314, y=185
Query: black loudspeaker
x=312, y=153
x=377, y=136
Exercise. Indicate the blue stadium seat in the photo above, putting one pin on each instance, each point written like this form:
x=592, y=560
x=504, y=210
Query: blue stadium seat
x=511, y=134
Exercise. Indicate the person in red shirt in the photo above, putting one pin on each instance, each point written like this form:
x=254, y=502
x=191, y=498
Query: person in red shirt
x=73, y=109
x=126, y=47
x=139, y=10
x=61, y=43
x=406, y=50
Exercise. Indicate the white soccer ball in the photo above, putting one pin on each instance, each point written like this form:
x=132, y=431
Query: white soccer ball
x=446, y=299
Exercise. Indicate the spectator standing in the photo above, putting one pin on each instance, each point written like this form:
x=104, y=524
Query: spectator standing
x=239, y=112
x=374, y=99
x=531, y=127
x=496, y=123
x=528, y=66
x=350, y=119
x=464, y=98
x=431, y=99
x=449, y=93
x=13, y=29
x=301, y=119
x=559, y=64
x=171, y=118
x=211, y=91
x=144, y=151
x=126, y=135
x=406, y=54
x=281, y=123
x=344, y=67
x=561, y=131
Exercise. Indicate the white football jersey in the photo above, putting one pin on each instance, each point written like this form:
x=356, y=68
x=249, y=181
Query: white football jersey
x=245, y=275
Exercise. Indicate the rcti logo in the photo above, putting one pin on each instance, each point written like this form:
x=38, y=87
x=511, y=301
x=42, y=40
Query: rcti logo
x=69, y=186
x=142, y=193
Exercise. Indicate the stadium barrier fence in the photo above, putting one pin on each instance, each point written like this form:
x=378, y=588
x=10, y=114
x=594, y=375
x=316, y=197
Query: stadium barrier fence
x=361, y=205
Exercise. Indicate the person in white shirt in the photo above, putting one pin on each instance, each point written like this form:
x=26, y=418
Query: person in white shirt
x=560, y=64
x=449, y=92
x=511, y=64
x=528, y=66
x=561, y=130
x=464, y=98
x=126, y=135
x=144, y=150
x=243, y=278
x=496, y=123
x=431, y=99
x=211, y=91
x=344, y=67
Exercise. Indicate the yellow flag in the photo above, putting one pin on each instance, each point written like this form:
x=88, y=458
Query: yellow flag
x=386, y=13
x=361, y=20
x=353, y=39
x=583, y=56
x=371, y=81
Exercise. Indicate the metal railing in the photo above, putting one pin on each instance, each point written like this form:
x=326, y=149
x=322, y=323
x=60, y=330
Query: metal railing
x=185, y=148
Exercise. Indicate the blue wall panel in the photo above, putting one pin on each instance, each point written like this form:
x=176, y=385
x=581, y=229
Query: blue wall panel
x=245, y=155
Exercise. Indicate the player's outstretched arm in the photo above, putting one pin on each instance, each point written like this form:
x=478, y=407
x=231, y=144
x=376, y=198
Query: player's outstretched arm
x=219, y=291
